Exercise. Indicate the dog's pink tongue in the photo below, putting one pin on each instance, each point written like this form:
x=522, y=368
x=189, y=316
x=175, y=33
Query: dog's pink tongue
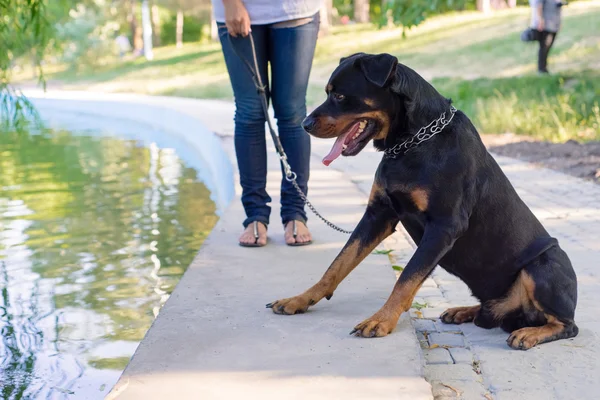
x=335, y=151
x=338, y=146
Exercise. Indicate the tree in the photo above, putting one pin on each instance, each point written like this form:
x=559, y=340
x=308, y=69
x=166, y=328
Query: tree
x=409, y=13
x=179, y=28
x=361, y=11
x=484, y=6
x=155, y=24
x=181, y=7
x=24, y=30
x=326, y=13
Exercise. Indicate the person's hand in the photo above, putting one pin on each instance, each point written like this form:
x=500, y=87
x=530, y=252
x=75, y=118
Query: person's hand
x=237, y=19
x=540, y=25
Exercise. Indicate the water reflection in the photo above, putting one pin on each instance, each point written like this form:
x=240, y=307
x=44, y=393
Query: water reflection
x=94, y=234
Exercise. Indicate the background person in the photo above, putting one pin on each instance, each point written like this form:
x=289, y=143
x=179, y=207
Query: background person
x=545, y=17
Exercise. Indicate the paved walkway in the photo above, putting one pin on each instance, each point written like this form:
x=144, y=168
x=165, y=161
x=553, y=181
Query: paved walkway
x=214, y=340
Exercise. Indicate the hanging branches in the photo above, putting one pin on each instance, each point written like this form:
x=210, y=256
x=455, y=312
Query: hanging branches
x=24, y=31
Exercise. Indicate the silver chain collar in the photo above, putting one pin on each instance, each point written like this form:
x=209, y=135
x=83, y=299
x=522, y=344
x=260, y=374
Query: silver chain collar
x=424, y=134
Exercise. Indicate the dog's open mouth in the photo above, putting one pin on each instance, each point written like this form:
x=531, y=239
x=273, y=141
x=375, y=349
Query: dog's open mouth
x=352, y=141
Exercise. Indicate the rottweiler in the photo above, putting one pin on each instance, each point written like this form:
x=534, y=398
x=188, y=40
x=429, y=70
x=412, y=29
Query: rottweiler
x=437, y=179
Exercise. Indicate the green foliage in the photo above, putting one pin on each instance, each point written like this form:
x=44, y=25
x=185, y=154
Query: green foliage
x=192, y=30
x=24, y=30
x=344, y=7
x=555, y=107
x=409, y=13
x=419, y=306
x=16, y=111
x=87, y=37
x=382, y=252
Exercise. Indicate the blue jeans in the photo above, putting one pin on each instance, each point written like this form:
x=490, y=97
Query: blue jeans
x=290, y=52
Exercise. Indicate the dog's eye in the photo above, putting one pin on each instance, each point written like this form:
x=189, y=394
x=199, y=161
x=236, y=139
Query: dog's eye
x=338, y=97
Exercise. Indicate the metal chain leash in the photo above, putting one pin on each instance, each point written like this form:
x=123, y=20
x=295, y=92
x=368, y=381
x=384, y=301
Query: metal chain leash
x=312, y=208
x=290, y=175
x=435, y=127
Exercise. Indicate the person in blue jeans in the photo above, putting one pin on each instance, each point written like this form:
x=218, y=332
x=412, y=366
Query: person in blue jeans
x=285, y=35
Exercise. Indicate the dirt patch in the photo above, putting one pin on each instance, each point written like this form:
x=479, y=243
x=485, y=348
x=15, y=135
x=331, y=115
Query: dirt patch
x=578, y=159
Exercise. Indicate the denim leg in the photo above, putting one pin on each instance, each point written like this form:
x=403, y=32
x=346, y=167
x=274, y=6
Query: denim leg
x=249, y=137
x=291, y=53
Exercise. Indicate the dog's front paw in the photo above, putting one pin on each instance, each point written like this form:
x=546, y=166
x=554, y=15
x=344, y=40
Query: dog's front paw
x=291, y=306
x=377, y=326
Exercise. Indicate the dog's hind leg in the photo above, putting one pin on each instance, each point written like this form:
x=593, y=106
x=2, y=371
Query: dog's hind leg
x=547, y=291
x=378, y=222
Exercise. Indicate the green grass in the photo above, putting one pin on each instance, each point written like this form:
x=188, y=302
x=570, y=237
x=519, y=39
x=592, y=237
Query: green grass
x=555, y=108
x=477, y=60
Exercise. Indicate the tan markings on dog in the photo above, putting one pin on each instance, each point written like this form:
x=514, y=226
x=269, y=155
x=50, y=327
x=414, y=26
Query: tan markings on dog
x=383, y=119
x=520, y=295
x=350, y=256
x=377, y=191
x=420, y=198
x=328, y=88
x=459, y=315
x=385, y=320
x=329, y=127
x=370, y=103
x=526, y=338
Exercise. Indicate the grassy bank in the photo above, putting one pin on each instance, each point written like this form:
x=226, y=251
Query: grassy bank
x=555, y=108
x=477, y=60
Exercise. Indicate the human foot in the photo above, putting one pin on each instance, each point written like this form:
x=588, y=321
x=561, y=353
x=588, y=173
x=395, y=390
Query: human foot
x=255, y=235
x=297, y=234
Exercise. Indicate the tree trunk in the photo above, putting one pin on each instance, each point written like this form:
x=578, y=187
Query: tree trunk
x=326, y=14
x=499, y=4
x=484, y=6
x=179, y=29
x=155, y=25
x=136, y=29
x=389, y=17
x=147, y=30
x=361, y=11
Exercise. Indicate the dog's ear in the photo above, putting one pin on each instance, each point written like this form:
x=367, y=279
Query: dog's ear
x=421, y=100
x=355, y=55
x=378, y=69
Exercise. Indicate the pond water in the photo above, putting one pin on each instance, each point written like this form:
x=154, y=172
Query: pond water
x=95, y=232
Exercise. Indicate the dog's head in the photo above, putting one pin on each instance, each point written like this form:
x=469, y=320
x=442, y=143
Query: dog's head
x=369, y=96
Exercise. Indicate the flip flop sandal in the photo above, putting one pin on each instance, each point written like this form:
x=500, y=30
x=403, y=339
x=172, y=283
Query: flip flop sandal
x=256, y=236
x=295, y=233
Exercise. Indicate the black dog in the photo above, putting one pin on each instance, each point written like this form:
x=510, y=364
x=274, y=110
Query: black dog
x=439, y=181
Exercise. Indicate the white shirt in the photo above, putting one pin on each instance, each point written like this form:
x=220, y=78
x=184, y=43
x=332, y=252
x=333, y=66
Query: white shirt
x=263, y=12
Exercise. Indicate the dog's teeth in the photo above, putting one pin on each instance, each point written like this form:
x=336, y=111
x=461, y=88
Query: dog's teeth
x=362, y=124
x=344, y=147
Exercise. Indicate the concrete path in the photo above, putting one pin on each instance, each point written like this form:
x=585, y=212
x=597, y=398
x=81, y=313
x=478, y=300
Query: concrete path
x=214, y=340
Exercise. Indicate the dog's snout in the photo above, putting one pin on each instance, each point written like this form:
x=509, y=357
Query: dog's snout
x=308, y=124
